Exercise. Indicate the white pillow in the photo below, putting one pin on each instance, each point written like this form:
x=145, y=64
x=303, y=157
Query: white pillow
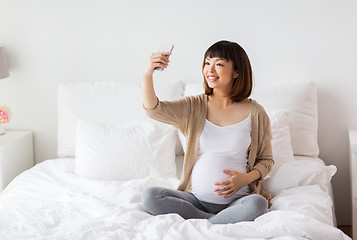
x=134, y=150
x=282, y=150
x=281, y=142
x=311, y=200
x=298, y=173
x=107, y=102
x=300, y=98
x=101, y=102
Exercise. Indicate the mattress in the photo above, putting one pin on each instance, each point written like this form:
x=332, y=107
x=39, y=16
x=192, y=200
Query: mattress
x=50, y=202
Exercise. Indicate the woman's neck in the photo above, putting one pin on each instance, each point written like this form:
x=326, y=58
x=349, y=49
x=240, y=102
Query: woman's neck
x=220, y=100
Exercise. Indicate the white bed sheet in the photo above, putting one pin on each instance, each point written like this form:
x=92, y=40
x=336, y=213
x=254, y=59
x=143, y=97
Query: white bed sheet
x=50, y=202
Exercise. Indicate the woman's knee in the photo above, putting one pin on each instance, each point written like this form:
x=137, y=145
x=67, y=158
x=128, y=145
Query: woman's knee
x=150, y=197
x=258, y=202
x=151, y=192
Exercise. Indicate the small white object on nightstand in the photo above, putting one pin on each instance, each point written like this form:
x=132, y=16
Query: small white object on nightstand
x=16, y=155
x=353, y=166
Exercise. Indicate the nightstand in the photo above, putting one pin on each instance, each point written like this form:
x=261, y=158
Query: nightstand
x=353, y=166
x=16, y=155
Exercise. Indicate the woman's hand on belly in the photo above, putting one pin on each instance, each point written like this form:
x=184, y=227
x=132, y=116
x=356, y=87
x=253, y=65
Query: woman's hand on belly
x=237, y=180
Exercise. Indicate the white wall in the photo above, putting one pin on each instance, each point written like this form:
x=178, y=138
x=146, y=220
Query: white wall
x=51, y=42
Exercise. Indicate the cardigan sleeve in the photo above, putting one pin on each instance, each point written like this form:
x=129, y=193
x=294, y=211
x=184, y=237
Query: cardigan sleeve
x=174, y=112
x=264, y=159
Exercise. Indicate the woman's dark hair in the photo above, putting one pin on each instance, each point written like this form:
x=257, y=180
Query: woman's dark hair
x=231, y=51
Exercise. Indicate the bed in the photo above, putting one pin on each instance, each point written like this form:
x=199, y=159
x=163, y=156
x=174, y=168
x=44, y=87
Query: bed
x=109, y=152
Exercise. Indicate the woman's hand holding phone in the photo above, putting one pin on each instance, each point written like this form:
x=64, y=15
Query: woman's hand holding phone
x=158, y=61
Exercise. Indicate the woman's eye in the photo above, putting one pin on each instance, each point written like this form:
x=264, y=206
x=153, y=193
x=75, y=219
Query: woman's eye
x=219, y=64
x=206, y=63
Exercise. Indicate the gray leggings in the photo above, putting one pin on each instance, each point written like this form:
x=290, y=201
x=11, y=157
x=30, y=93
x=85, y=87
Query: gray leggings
x=158, y=200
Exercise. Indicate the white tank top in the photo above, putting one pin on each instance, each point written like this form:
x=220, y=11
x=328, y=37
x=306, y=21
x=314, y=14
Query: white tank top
x=220, y=148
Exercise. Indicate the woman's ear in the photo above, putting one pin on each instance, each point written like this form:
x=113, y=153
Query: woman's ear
x=235, y=75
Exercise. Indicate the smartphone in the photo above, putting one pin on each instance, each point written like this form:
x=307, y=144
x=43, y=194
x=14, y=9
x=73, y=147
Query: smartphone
x=161, y=68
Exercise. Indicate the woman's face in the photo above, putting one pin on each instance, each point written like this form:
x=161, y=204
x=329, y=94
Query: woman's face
x=219, y=72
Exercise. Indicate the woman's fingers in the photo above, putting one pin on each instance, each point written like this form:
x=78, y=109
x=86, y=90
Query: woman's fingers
x=223, y=188
x=230, y=195
x=160, y=59
x=230, y=172
x=224, y=182
x=227, y=193
x=231, y=185
x=226, y=190
x=155, y=65
x=159, y=63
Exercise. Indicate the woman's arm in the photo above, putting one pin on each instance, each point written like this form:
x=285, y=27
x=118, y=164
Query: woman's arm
x=264, y=160
x=158, y=59
x=173, y=112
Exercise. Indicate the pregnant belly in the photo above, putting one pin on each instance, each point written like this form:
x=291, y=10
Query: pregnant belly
x=209, y=170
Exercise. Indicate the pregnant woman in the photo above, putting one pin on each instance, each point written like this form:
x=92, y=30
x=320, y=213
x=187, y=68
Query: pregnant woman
x=228, y=138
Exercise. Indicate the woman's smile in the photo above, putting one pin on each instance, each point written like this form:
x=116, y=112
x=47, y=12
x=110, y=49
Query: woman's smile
x=212, y=78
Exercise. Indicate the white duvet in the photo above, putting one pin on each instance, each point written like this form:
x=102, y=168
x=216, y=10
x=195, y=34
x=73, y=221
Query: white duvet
x=50, y=202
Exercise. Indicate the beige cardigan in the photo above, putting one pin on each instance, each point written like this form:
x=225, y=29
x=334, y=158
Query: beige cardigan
x=188, y=114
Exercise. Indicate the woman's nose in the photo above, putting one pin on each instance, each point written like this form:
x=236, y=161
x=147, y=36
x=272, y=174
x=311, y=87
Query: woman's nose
x=211, y=69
